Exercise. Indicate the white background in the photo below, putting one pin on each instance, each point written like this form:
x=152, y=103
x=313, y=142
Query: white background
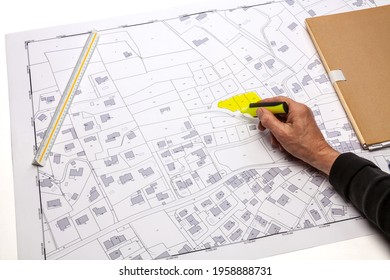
x=22, y=15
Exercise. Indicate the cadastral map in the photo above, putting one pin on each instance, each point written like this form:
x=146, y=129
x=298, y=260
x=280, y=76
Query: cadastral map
x=146, y=166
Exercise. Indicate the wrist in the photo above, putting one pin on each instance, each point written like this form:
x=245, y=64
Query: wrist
x=325, y=158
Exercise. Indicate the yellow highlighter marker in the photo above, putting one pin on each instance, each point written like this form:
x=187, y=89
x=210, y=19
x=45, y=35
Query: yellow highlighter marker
x=273, y=107
x=249, y=102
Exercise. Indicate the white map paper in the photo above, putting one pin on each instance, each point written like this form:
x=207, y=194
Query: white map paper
x=147, y=167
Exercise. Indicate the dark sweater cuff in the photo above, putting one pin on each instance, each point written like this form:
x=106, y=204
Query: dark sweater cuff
x=343, y=171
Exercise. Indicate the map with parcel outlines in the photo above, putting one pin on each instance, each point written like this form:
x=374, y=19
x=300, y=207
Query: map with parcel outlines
x=147, y=167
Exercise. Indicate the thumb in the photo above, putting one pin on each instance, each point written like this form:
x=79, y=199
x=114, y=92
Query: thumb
x=268, y=120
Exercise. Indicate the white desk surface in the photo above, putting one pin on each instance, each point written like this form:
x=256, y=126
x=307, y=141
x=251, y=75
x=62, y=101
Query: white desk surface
x=22, y=15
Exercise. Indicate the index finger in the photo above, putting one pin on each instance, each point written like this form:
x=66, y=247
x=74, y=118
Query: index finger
x=277, y=99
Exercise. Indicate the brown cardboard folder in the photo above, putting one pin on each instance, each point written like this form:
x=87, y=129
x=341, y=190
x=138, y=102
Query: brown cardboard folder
x=358, y=44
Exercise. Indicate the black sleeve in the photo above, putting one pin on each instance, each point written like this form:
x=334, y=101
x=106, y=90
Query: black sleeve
x=365, y=185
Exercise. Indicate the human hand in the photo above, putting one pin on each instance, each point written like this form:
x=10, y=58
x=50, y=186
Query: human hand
x=299, y=135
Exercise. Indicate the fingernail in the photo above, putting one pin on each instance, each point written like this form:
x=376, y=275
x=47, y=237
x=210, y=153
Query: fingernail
x=260, y=112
